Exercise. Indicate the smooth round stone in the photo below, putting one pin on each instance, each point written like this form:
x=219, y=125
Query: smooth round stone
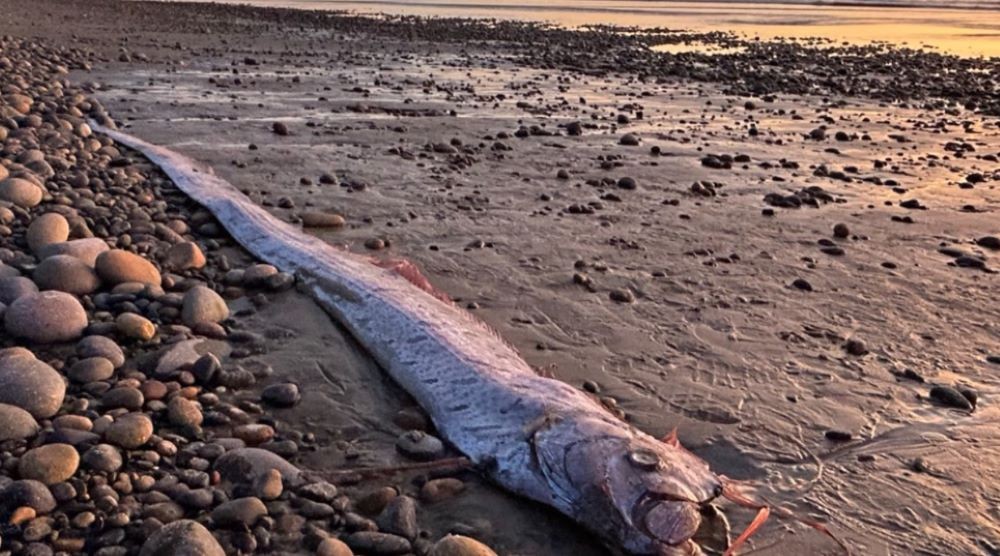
x=182, y=538
x=16, y=423
x=281, y=395
x=32, y=494
x=419, y=445
x=13, y=288
x=125, y=396
x=184, y=256
x=46, y=317
x=242, y=512
x=436, y=490
x=47, y=229
x=370, y=542
x=333, y=547
x=102, y=457
x=322, y=220
x=257, y=275
x=86, y=249
x=135, y=326
x=49, y=464
x=31, y=384
x=399, y=517
x=183, y=412
x=20, y=192
x=202, y=304
x=269, y=486
x=101, y=346
x=117, y=266
x=75, y=422
x=8, y=271
x=248, y=465
x=91, y=369
x=254, y=434
x=66, y=273
x=457, y=545
x=129, y=431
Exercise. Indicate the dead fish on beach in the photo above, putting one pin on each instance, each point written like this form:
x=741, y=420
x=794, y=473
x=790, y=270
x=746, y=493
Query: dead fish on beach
x=535, y=436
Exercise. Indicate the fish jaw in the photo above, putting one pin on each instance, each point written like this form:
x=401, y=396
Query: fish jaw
x=633, y=490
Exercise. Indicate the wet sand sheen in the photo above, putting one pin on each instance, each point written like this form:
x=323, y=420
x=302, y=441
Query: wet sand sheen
x=963, y=32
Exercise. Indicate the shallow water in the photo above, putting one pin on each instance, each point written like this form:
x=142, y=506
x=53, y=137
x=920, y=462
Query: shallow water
x=964, y=32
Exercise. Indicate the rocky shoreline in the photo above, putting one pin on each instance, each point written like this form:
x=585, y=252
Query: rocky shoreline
x=124, y=424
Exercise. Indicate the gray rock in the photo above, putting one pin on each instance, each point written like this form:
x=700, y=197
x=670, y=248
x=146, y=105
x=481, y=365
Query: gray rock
x=399, y=517
x=32, y=494
x=202, y=304
x=66, y=273
x=117, y=266
x=248, y=465
x=102, y=457
x=129, y=431
x=101, y=346
x=15, y=287
x=241, y=512
x=281, y=395
x=370, y=542
x=91, y=369
x=30, y=384
x=46, y=317
x=20, y=192
x=86, y=249
x=47, y=229
x=16, y=423
x=419, y=445
x=182, y=538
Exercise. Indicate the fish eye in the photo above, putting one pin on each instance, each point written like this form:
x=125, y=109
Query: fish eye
x=644, y=459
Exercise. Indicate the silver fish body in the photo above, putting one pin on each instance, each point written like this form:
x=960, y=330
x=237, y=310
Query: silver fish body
x=535, y=436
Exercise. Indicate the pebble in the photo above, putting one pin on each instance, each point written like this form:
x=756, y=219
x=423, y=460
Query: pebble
x=627, y=183
x=91, y=369
x=182, y=538
x=49, y=464
x=16, y=423
x=256, y=276
x=32, y=494
x=135, y=326
x=621, y=296
x=254, y=434
x=66, y=273
x=117, y=266
x=457, y=545
x=419, y=445
x=129, y=431
x=281, y=395
x=183, y=412
x=841, y=231
x=101, y=346
x=247, y=465
x=856, y=347
x=333, y=547
x=370, y=542
x=30, y=384
x=950, y=397
x=103, y=458
x=322, y=220
x=185, y=256
x=838, y=436
x=86, y=249
x=803, y=285
x=437, y=490
x=202, y=304
x=399, y=517
x=241, y=512
x=20, y=192
x=46, y=317
x=123, y=397
x=269, y=486
x=47, y=229
x=13, y=288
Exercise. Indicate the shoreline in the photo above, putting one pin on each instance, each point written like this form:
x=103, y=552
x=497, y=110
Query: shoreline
x=679, y=298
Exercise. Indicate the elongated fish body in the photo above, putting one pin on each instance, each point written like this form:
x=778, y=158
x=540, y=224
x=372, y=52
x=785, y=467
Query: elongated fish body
x=535, y=436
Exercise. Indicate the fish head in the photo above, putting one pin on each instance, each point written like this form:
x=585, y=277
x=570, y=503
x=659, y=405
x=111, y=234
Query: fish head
x=643, y=494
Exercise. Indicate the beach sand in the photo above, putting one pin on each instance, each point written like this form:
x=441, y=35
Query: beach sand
x=792, y=347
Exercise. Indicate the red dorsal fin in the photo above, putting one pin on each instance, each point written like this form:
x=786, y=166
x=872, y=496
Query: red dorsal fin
x=408, y=270
x=671, y=439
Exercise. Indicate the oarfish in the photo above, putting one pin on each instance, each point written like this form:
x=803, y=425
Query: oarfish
x=535, y=436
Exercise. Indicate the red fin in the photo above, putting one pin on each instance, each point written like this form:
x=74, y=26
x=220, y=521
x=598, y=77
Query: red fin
x=671, y=439
x=762, y=515
x=408, y=270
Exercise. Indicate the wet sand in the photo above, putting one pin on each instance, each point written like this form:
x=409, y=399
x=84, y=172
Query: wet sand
x=785, y=355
